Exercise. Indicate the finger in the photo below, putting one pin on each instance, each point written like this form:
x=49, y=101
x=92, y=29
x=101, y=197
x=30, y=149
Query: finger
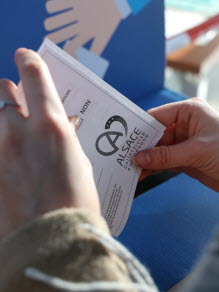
x=22, y=100
x=8, y=92
x=64, y=33
x=165, y=157
x=59, y=20
x=53, y=6
x=100, y=42
x=144, y=174
x=39, y=89
x=168, y=137
x=169, y=113
x=72, y=46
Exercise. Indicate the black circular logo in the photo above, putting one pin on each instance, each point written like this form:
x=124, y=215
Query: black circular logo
x=111, y=136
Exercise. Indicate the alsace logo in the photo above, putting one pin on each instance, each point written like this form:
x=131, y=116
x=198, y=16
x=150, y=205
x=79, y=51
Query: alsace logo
x=111, y=137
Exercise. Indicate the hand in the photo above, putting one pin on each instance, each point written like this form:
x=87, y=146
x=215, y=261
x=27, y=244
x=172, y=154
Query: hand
x=190, y=143
x=42, y=165
x=86, y=20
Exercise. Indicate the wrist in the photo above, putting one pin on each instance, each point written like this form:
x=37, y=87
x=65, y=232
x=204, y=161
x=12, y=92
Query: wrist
x=123, y=7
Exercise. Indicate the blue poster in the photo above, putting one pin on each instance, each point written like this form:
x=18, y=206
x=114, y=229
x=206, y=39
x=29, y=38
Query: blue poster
x=122, y=41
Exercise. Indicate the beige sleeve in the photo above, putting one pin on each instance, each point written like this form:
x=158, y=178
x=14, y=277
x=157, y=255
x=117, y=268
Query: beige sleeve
x=57, y=245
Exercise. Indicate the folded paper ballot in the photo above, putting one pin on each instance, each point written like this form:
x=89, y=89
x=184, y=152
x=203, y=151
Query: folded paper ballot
x=112, y=130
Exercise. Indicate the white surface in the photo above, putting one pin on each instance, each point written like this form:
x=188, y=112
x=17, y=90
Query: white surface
x=177, y=43
x=76, y=85
x=179, y=21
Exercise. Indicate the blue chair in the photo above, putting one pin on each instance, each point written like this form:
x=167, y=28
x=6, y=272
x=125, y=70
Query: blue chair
x=170, y=224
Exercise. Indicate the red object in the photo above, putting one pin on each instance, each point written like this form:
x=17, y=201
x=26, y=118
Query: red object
x=185, y=38
x=205, y=26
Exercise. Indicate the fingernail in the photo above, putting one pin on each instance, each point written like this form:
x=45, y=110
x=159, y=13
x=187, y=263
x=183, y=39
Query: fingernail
x=76, y=121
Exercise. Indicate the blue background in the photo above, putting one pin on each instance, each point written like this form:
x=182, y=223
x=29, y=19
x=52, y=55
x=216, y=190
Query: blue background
x=170, y=226
x=135, y=52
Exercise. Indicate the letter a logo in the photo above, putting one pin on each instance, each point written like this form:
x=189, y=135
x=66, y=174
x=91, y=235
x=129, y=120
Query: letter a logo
x=111, y=137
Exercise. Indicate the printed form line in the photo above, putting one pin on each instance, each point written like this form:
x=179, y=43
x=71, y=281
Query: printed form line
x=107, y=190
x=100, y=177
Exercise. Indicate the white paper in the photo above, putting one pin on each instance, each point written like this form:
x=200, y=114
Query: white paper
x=111, y=131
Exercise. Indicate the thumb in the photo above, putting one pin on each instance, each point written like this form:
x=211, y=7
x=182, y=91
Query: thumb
x=165, y=157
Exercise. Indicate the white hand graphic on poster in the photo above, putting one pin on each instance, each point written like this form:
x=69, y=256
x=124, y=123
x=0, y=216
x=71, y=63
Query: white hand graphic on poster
x=76, y=22
x=84, y=20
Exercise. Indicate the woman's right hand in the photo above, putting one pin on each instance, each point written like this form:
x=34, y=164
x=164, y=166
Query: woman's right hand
x=190, y=143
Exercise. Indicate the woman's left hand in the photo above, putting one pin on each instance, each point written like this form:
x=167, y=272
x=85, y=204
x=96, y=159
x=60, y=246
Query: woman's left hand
x=42, y=164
